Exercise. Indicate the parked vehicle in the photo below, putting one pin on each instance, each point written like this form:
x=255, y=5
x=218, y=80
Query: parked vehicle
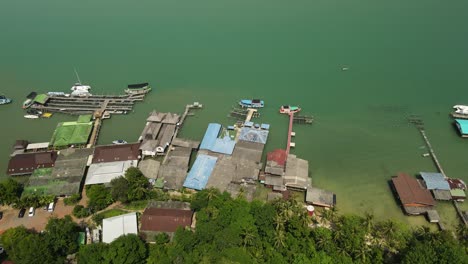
x=51, y=207
x=21, y=213
x=31, y=212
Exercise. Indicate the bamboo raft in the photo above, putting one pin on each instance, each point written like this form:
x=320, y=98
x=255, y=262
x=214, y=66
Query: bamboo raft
x=303, y=119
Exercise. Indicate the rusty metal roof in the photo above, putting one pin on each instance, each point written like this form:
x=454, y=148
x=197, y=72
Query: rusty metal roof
x=165, y=219
x=410, y=191
x=111, y=153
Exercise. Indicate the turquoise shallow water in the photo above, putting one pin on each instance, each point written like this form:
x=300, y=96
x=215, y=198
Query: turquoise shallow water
x=403, y=58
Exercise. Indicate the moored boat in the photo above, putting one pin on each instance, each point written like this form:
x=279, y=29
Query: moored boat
x=31, y=116
x=119, y=142
x=27, y=103
x=288, y=109
x=138, y=88
x=58, y=94
x=461, y=109
x=254, y=103
x=4, y=100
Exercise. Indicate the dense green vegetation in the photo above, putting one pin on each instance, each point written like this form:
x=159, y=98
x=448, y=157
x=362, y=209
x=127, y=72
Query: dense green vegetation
x=235, y=231
x=52, y=246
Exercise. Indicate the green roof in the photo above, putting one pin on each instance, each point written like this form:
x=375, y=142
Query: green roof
x=84, y=118
x=41, y=98
x=458, y=193
x=71, y=133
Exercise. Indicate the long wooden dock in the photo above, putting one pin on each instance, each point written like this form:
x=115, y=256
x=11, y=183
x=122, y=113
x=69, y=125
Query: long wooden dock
x=186, y=113
x=432, y=152
x=420, y=125
x=78, y=105
x=291, y=121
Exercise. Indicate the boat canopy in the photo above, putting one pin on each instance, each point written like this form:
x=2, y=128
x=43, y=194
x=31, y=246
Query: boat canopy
x=461, y=109
x=138, y=85
x=31, y=95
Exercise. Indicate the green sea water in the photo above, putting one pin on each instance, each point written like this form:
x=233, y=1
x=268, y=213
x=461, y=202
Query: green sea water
x=404, y=57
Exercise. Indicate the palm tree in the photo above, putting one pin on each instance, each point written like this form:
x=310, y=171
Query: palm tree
x=361, y=253
x=279, y=222
x=279, y=239
x=247, y=236
x=369, y=221
x=211, y=194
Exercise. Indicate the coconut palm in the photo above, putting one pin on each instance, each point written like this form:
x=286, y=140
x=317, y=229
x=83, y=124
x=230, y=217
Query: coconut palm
x=280, y=239
x=247, y=237
x=369, y=221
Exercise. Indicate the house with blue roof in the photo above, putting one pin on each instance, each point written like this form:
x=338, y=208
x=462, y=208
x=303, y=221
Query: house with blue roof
x=200, y=172
x=211, y=140
x=435, y=181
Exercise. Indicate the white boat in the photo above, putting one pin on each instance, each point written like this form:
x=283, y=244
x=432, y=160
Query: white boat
x=57, y=94
x=79, y=89
x=119, y=142
x=31, y=116
x=461, y=109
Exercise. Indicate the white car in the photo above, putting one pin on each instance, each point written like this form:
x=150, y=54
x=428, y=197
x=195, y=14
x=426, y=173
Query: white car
x=31, y=211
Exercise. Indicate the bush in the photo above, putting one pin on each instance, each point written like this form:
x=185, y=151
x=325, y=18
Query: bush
x=72, y=200
x=99, y=197
x=80, y=211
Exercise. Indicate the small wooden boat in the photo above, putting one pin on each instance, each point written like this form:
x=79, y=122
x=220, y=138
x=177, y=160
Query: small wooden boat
x=254, y=103
x=287, y=109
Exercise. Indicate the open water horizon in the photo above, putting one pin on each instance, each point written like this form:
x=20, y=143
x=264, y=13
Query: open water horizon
x=404, y=58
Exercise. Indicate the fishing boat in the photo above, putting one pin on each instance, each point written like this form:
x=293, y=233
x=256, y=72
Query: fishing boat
x=4, y=100
x=119, y=142
x=288, y=109
x=254, y=103
x=138, y=88
x=27, y=103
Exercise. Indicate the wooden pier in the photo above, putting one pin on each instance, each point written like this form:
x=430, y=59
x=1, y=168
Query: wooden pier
x=242, y=113
x=432, y=152
x=186, y=113
x=291, y=121
x=420, y=125
x=78, y=105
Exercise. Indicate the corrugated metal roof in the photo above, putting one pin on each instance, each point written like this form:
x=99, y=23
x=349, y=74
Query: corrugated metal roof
x=435, y=181
x=43, y=145
x=278, y=155
x=107, y=171
x=165, y=219
x=117, y=226
x=254, y=135
x=211, y=134
x=211, y=141
x=27, y=163
x=111, y=153
x=200, y=172
x=457, y=193
x=411, y=192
